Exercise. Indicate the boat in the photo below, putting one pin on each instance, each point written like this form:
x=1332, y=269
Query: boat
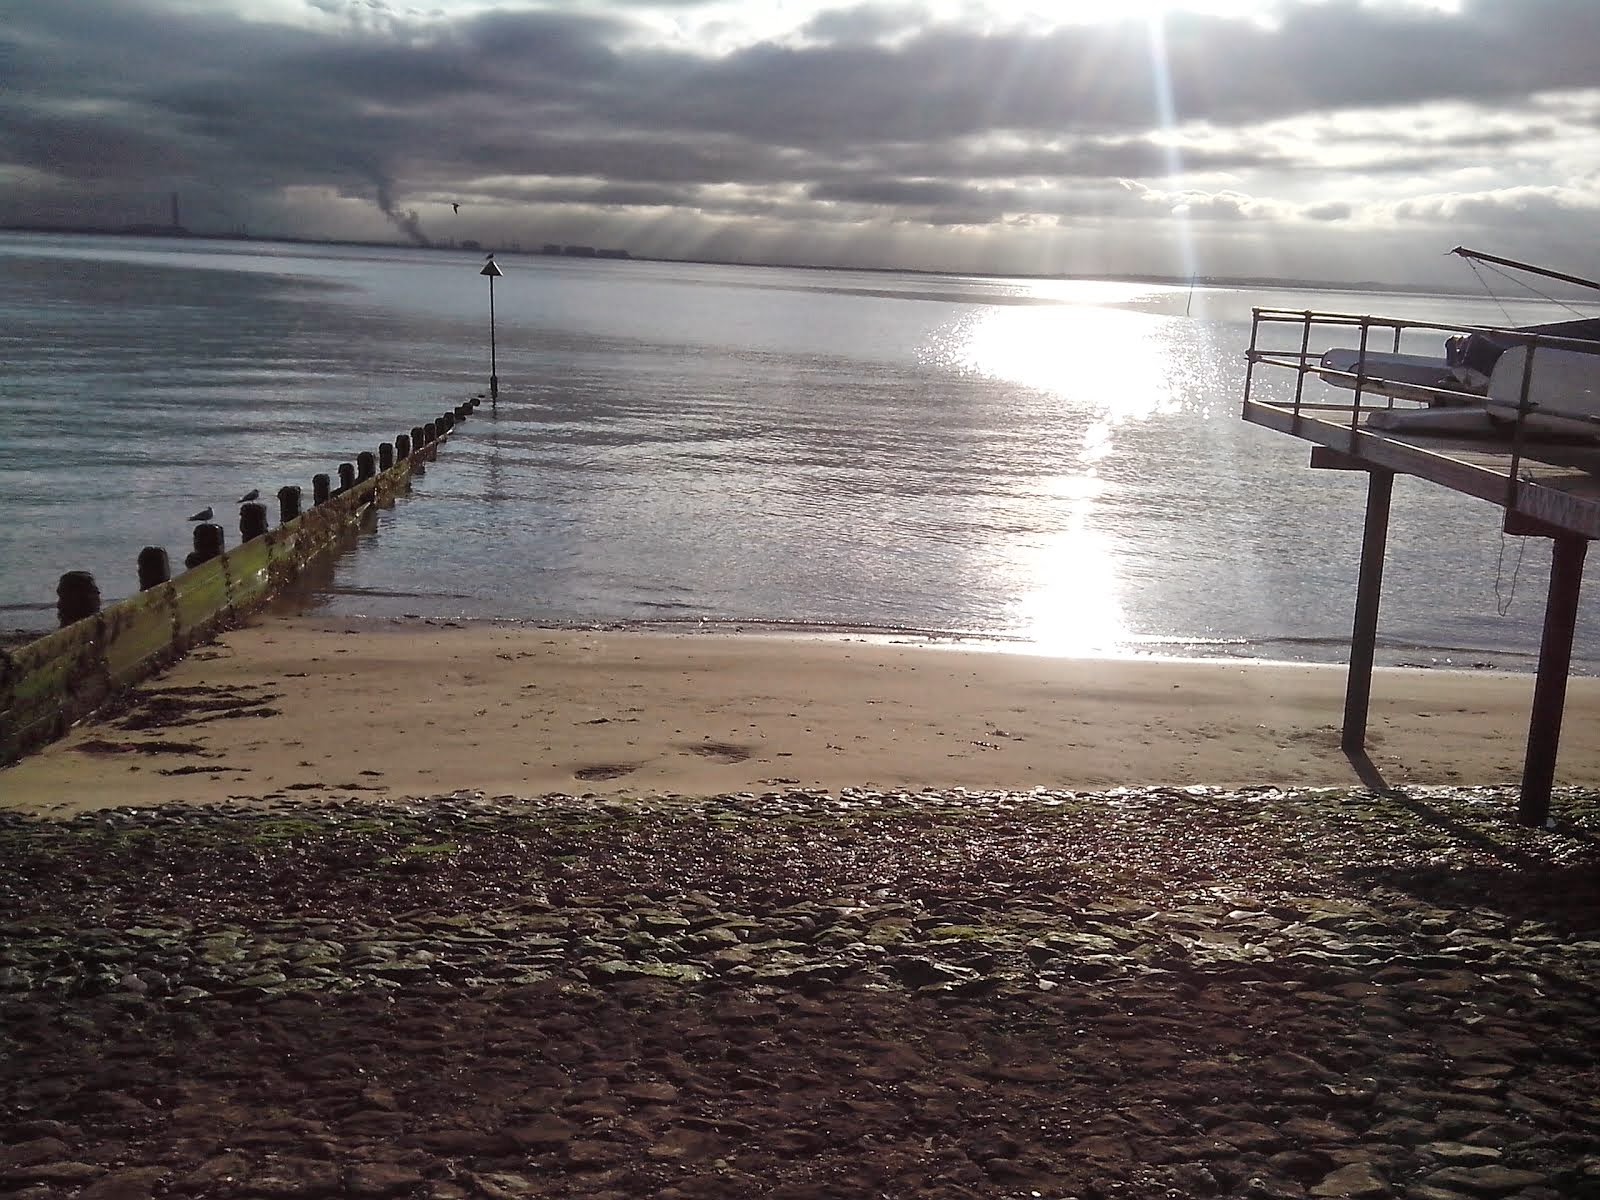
x=1547, y=376
x=1550, y=388
x=1401, y=376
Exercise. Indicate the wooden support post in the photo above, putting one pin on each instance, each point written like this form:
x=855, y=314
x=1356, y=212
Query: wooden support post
x=347, y=476
x=321, y=488
x=288, y=503
x=252, y=520
x=1550, y=687
x=207, y=545
x=366, y=465
x=402, y=446
x=77, y=597
x=1364, y=635
x=385, y=455
x=419, y=437
x=154, y=568
x=430, y=433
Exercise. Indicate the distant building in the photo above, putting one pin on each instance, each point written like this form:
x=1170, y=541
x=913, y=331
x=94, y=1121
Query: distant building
x=589, y=252
x=551, y=248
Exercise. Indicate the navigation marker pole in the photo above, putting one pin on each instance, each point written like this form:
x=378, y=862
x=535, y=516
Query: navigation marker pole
x=493, y=271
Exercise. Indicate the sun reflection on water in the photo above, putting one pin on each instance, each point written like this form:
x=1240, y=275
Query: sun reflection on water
x=1080, y=371
x=1070, y=594
x=1099, y=360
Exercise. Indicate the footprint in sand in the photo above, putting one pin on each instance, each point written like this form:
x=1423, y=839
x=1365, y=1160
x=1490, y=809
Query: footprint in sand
x=722, y=752
x=605, y=771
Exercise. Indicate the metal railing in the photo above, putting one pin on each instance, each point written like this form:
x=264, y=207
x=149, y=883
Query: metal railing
x=1299, y=340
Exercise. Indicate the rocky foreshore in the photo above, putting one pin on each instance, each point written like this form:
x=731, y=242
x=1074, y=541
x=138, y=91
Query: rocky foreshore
x=1138, y=993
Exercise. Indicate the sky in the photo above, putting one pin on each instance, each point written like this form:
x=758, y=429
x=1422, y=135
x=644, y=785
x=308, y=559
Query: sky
x=1351, y=140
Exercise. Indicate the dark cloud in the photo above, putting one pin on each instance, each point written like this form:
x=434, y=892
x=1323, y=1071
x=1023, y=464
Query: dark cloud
x=865, y=23
x=870, y=109
x=1332, y=211
x=929, y=193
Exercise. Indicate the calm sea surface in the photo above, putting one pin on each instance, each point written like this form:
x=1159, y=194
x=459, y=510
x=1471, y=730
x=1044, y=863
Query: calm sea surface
x=1060, y=463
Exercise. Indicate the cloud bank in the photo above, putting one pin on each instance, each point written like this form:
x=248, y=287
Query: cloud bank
x=1331, y=139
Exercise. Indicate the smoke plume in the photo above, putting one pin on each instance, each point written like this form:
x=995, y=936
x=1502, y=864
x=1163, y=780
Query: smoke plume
x=406, y=222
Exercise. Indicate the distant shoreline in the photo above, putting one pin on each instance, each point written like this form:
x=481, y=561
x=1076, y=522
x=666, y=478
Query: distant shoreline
x=1237, y=282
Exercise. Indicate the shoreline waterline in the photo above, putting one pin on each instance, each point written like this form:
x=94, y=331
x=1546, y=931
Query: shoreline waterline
x=297, y=708
x=1215, y=651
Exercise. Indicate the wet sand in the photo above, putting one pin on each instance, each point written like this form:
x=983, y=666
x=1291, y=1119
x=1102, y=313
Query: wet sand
x=319, y=709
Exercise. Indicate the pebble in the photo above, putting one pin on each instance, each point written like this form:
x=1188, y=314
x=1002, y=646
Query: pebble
x=1446, y=990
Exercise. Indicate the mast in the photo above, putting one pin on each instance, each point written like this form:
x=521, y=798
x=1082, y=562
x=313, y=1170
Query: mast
x=1522, y=266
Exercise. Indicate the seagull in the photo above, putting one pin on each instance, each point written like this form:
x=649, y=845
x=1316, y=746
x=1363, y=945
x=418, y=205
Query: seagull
x=252, y=494
x=203, y=515
x=456, y=206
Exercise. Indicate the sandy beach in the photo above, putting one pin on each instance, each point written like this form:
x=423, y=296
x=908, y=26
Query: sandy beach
x=796, y=979
x=320, y=709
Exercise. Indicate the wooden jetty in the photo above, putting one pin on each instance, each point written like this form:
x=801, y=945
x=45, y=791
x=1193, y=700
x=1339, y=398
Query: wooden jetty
x=1546, y=486
x=97, y=653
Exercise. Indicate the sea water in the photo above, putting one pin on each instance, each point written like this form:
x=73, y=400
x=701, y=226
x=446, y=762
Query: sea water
x=1055, y=464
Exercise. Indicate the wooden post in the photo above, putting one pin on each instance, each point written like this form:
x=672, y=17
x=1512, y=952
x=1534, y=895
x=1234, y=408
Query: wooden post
x=402, y=446
x=252, y=520
x=430, y=433
x=461, y=411
x=385, y=455
x=77, y=597
x=154, y=568
x=347, y=476
x=366, y=465
x=207, y=545
x=1550, y=687
x=447, y=422
x=1369, y=590
x=288, y=504
x=321, y=489
x=419, y=436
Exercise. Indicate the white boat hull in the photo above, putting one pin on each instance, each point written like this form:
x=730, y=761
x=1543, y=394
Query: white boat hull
x=1449, y=421
x=1401, y=376
x=1563, y=389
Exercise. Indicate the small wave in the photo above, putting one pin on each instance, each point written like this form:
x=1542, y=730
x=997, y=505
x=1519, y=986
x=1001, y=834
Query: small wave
x=387, y=594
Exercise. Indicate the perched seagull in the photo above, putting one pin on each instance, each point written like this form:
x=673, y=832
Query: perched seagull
x=203, y=515
x=252, y=494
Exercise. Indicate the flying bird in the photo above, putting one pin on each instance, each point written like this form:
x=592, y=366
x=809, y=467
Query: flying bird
x=454, y=205
x=252, y=494
x=203, y=515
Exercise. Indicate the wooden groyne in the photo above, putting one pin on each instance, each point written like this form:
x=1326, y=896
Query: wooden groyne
x=48, y=684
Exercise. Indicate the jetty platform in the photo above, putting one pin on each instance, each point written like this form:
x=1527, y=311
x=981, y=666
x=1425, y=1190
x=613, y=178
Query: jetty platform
x=1546, y=486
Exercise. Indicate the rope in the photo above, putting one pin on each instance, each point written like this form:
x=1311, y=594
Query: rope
x=1522, y=283
x=1489, y=291
x=1503, y=603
